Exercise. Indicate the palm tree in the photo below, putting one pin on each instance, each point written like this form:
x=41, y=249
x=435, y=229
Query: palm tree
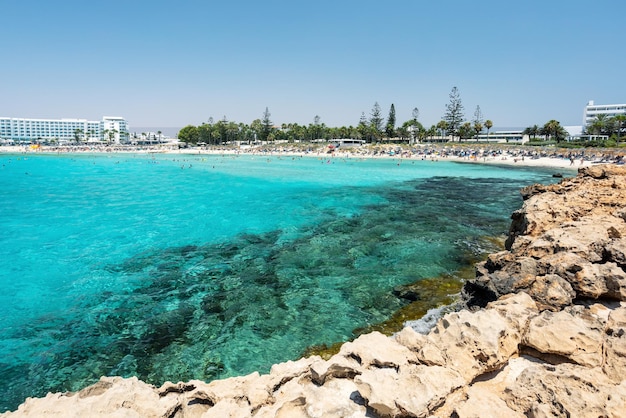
x=531, y=131
x=488, y=125
x=431, y=132
x=442, y=125
x=554, y=129
x=77, y=134
x=465, y=130
x=619, y=120
x=599, y=125
x=478, y=127
x=534, y=131
x=109, y=134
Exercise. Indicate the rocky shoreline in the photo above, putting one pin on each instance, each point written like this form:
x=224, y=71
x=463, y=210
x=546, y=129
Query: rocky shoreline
x=543, y=335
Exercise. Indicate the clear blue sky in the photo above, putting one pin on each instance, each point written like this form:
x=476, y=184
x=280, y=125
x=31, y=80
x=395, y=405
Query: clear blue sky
x=173, y=63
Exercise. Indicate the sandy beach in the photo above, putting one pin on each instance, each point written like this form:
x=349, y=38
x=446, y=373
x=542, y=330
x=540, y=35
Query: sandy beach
x=465, y=153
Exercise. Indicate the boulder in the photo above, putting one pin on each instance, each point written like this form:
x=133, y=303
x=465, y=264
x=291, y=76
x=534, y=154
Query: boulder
x=483, y=341
x=111, y=396
x=407, y=392
x=484, y=403
x=565, y=390
x=378, y=350
x=573, y=334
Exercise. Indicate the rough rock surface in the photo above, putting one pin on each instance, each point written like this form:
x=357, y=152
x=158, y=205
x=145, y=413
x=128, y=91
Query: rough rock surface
x=544, y=335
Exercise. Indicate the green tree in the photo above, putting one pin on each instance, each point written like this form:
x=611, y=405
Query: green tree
x=232, y=132
x=488, y=126
x=376, y=120
x=553, y=129
x=205, y=133
x=267, y=126
x=415, y=129
x=316, y=128
x=465, y=130
x=363, y=128
x=477, y=121
x=432, y=131
x=478, y=116
x=403, y=131
x=442, y=126
x=221, y=130
x=112, y=133
x=78, y=135
x=531, y=131
x=598, y=126
x=188, y=134
x=454, y=112
x=478, y=128
x=391, y=122
x=619, y=121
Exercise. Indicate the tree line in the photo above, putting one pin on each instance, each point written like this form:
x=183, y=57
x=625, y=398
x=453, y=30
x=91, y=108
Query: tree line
x=453, y=125
x=607, y=125
x=370, y=129
x=610, y=126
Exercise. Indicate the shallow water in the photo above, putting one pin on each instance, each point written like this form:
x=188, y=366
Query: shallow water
x=180, y=267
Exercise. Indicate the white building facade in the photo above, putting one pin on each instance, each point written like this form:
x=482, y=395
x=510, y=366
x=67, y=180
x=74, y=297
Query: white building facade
x=112, y=129
x=592, y=110
x=514, y=136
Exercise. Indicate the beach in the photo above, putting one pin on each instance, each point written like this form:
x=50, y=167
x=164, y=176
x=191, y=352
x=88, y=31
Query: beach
x=499, y=154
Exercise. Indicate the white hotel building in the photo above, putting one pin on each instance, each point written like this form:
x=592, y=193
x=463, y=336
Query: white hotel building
x=592, y=110
x=18, y=130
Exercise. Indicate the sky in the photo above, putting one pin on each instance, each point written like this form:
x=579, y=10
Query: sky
x=174, y=63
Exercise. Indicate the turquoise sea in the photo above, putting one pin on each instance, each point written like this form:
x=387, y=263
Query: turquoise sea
x=177, y=267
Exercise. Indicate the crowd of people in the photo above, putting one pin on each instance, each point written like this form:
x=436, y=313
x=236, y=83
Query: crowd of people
x=486, y=153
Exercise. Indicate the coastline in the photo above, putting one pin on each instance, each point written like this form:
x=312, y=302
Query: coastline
x=543, y=334
x=463, y=153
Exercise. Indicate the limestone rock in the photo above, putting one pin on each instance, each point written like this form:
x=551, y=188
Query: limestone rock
x=573, y=230
x=411, y=339
x=566, y=390
x=338, y=366
x=337, y=398
x=111, y=396
x=378, y=350
x=408, y=392
x=615, y=345
x=551, y=292
x=572, y=333
x=482, y=403
x=483, y=341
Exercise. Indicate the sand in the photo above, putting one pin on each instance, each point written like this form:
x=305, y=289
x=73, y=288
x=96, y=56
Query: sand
x=489, y=154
